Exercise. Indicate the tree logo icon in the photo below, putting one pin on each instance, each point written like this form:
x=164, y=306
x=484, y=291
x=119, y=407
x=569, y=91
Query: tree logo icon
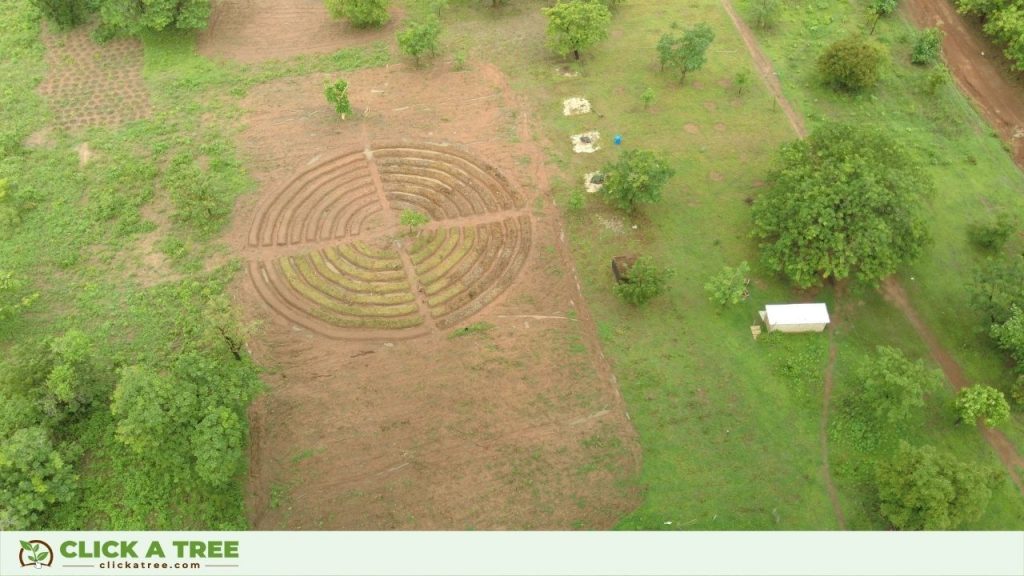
x=35, y=553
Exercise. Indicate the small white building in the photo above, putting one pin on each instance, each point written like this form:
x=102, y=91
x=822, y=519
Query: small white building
x=795, y=317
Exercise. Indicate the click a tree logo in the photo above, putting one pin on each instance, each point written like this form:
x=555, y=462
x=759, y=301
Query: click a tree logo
x=35, y=553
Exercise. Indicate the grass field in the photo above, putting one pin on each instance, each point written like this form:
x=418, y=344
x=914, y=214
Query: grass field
x=730, y=427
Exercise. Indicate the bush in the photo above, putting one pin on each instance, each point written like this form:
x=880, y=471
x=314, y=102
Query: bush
x=766, y=13
x=927, y=47
x=337, y=96
x=643, y=282
x=134, y=17
x=983, y=402
x=853, y=64
x=935, y=80
x=33, y=477
x=730, y=285
x=360, y=13
x=993, y=234
x=419, y=38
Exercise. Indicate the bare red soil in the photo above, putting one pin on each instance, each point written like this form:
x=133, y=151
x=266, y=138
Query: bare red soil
x=387, y=426
x=258, y=30
x=979, y=69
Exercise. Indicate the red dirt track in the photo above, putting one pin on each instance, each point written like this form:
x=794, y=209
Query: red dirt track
x=985, y=78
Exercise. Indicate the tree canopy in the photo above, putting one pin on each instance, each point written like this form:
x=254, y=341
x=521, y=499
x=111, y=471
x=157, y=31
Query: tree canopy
x=576, y=25
x=643, y=282
x=852, y=64
x=921, y=489
x=686, y=52
x=419, y=38
x=638, y=176
x=890, y=387
x=132, y=16
x=983, y=402
x=1003, y=21
x=846, y=202
x=360, y=13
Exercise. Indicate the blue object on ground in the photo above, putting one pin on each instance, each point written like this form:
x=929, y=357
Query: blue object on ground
x=618, y=139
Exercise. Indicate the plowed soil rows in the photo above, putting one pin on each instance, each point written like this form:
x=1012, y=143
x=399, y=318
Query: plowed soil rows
x=90, y=84
x=515, y=424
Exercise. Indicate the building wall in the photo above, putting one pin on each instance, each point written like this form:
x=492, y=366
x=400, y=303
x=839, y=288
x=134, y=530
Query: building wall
x=798, y=328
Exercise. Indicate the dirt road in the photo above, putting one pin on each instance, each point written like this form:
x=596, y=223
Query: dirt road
x=979, y=69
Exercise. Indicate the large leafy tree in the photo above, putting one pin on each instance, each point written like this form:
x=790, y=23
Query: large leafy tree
x=150, y=408
x=921, y=489
x=846, y=202
x=576, y=25
x=638, y=176
x=686, y=52
x=135, y=16
x=890, y=387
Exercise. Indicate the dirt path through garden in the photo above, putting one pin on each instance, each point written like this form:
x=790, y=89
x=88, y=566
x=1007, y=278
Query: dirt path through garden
x=1007, y=452
x=979, y=69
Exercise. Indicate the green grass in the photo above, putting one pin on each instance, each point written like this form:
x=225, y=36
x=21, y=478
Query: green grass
x=729, y=426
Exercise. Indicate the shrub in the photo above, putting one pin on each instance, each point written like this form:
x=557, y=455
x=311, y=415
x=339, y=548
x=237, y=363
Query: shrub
x=852, y=64
x=576, y=25
x=766, y=13
x=647, y=97
x=419, y=38
x=741, y=81
x=413, y=219
x=134, y=17
x=33, y=477
x=643, y=282
x=993, y=234
x=360, y=13
x=983, y=402
x=927, y=47
x=337, y=96
x=730, y=285
x=638, y=176
x=936, y=79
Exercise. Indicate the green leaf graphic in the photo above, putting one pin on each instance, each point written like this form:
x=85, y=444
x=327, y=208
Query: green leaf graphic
x=42, y=556
x=35, y=547
x=25, y=546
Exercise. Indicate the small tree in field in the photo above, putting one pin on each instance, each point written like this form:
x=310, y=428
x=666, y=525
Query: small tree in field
x=853, y=64
x=880, y=8
x=420, y=38
x=983, y=402
x=576, y=25
x=686, y=52
x=647, y=97
x=638, y=176
x=337, y=96
x=643, y=282
x=730, y=285
x=891, y=388
x=920, y=489
x=766, y=13
x=413, y=219
x=848, y=201
x=927, y=47
x=361, y=13
x=741, y=81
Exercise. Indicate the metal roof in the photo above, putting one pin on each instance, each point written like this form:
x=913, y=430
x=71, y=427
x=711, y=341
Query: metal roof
x=787, y=314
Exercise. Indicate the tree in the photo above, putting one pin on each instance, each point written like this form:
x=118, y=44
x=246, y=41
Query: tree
x=852, y=64
x=643, y=282
x=638, y=176
x=847, y=201
x=33, y=477
x=998, y=287
x=927, y=47
x=419, y=38
x=64, y=13
x=413, y=219
x=1010, y=336
x=686, y=52
x=980, y=401
x=576, y=25
x=741, y=81
x=134, y=17
x=730, y=285
x=920, y=489
x=991, y=235
x=890, y=387
x=880, y=8
x=1003, y=21
x=766, y=13
x=360, y=13
x=225, y=327
x=337, y=96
